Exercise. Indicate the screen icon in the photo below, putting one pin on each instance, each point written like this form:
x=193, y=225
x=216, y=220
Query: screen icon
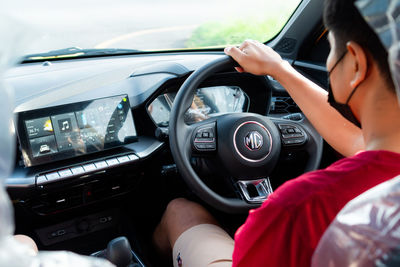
x=43, y=146
x=48, y=127
x=65, y=125
x=44, y=149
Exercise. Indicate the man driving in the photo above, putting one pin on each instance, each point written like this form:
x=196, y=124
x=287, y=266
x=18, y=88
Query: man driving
x=359, y=116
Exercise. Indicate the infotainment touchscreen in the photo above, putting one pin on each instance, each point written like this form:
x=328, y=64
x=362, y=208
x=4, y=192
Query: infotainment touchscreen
x=61, y=132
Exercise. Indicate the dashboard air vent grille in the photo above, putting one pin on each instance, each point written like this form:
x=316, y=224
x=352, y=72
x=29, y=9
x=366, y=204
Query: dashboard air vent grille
x=283, y=105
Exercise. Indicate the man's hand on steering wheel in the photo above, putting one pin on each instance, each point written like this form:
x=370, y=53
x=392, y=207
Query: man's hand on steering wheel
x=256, y=58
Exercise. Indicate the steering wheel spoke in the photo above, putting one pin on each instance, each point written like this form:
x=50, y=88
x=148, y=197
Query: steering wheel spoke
x=255, y=191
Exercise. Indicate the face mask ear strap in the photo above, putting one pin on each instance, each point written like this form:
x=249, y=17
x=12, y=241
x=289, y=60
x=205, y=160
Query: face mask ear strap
x=337, y=62
x=352, y=93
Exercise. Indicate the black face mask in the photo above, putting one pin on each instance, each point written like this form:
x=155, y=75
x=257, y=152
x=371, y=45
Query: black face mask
x=343, y=109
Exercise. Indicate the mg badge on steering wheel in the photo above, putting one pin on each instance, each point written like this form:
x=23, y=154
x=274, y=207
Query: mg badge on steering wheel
x=253, y=140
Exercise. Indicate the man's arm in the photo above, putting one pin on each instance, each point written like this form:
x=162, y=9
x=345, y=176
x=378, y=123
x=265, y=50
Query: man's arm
x=260, y=59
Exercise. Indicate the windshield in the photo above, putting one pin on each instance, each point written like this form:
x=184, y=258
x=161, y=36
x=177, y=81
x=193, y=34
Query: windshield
x=148, y=25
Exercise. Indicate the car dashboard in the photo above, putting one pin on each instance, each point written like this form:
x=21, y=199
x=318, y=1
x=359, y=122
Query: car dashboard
x=92, y=130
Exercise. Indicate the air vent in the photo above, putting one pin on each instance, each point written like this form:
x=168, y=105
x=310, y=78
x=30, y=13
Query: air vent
x=283, y=105
x=286, y=45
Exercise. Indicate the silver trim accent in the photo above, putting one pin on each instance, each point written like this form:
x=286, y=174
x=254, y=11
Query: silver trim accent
x=237, y=150
x=84, y=170
x=263, y=187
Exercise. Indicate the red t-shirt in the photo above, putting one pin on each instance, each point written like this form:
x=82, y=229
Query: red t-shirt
x=286, y=229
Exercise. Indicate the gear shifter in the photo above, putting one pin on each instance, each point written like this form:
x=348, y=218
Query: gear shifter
x=119, y=252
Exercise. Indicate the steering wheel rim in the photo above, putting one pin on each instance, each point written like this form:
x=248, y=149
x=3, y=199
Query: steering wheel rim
x=180, y=140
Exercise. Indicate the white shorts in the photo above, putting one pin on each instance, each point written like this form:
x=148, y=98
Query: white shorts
x=203, y=245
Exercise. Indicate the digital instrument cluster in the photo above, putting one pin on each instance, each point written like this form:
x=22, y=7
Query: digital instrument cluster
x=207, y=102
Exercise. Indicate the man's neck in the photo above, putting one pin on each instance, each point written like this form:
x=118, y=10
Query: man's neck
x=380, y=116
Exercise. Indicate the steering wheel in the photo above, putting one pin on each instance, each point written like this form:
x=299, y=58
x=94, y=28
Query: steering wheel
x=246, y=145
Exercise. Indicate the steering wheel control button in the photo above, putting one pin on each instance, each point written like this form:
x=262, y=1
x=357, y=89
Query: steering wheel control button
x=77, y=170
x=292, y=134
x=65, y=173
x=52, y=176
x=252, y=141
x=112, y=162
x=200, y=146
x=204, y=139
x=89, y=167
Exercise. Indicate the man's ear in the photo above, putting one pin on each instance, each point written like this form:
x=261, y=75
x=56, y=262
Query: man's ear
x=359, y=63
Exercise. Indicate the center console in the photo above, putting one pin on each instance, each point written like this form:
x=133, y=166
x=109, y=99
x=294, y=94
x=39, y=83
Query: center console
x=75, y=158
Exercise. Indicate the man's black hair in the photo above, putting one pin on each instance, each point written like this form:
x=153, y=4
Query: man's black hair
x=343, y=19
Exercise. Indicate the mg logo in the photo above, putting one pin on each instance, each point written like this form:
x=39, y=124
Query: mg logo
x=253, y=140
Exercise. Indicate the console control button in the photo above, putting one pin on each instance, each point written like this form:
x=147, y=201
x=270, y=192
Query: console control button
x=65, y=173
x=89, y=167
x=52, y=176
x=101, y=164
x=41, y=179
x=58, y=233
x=112, y=161
x=133, y=157
x=123, y=159
x=77, y=170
